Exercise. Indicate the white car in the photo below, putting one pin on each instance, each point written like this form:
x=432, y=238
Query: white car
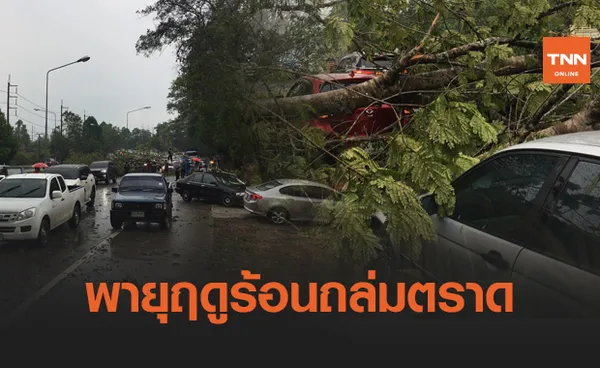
x=76, y=176
x=527, y=215
x=31, y=205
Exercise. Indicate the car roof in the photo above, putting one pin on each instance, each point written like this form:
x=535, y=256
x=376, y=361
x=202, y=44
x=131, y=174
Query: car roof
x=31, y=176
x=143, y=174
x=101, y=162
x=69, y=166
x=300, y=182
x=585, y=143
x=342, y=77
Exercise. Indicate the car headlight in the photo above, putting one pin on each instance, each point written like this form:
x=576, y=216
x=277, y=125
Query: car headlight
x=240, y=194
x=103, y=171
x=26, y=214
x=158, y=206
x=117, y=205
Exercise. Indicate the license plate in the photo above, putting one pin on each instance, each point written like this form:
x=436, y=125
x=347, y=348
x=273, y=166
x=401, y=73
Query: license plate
x=137, y=214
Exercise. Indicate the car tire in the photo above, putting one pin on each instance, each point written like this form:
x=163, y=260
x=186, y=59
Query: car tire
x=227, y=201
x=278, y=216
x=92, y=200
x=75, y=217
x=115, y=224
x=186, y=196
x=43, y=233
x=165, y=224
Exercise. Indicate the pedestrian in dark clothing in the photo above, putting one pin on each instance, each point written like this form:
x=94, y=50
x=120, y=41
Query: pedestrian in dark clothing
x=177, y=171
x=166, y=171
x=127, y=168
x=170, y=155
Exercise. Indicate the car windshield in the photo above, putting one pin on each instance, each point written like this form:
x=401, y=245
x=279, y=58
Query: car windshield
x=69, y=173
x=142, y=183
x=381, y=64
x=229, y=180
x=268, y=185
x=23, y=188
x=99, y=165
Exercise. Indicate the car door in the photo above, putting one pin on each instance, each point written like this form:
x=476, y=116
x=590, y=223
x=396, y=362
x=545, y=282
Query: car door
x=87, y=185
x=210, y=187
x=56, y=214
x=65, y=205
x=561, y=276
x=195, y=186
x=297, y=202
x=316, y=197
x=496, y=203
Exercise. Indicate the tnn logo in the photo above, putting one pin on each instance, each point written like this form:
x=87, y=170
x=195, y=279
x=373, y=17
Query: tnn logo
x=568, y=59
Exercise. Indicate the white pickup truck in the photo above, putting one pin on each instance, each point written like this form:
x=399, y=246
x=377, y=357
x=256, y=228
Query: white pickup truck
x=31, y=205
x=77, y=175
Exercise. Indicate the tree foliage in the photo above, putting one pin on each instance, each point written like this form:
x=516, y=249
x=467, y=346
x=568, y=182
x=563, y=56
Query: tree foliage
x=473, y=72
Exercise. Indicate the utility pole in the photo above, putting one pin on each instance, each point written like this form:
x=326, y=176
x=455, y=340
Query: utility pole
x=8, y=97
x=84, y=115
x=61, y=115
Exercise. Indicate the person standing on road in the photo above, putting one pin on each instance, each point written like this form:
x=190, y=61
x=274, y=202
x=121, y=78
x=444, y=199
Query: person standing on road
x=166, y=170
x=126, y=168
x=170, y=155
x=177, y=167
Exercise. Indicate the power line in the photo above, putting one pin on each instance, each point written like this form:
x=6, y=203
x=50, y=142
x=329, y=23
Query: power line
x=33, y=103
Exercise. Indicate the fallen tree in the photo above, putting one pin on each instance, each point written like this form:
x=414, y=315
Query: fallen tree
x=476, y=64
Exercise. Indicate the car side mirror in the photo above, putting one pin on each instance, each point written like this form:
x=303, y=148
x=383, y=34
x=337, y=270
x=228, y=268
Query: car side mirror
x=429, y=204
x=115, y=190
x=56, y=194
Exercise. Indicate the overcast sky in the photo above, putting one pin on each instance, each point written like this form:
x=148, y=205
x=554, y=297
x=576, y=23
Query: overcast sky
x=42, y=34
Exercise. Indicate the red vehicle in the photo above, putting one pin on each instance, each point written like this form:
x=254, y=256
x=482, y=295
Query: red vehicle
x=374, y=119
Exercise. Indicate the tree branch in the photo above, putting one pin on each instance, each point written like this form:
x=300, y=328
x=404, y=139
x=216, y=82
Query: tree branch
x=585, y=120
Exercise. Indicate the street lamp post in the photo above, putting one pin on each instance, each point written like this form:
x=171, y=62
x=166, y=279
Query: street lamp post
x=134, y=110
x=50, y=112
x=81, y=60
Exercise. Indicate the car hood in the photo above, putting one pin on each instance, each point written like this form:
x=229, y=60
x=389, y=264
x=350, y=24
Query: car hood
x=140, y=197
x=18, y=204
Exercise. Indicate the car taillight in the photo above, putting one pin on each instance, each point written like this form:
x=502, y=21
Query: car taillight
x=255, y=197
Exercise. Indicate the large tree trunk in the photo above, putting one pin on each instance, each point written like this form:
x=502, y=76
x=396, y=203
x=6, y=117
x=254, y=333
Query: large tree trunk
x=344, y=101
x=586, y=119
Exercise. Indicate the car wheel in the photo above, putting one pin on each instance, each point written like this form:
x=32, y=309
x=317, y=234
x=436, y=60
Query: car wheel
x=165, y=224
x=116, y=224
x=92, y=198
x=186, y=196
x=75, y=217
x=227, y=201
x=278, y=216
x=44, y=233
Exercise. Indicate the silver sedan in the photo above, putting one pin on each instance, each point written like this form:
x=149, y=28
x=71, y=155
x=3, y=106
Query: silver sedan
x=286, y=200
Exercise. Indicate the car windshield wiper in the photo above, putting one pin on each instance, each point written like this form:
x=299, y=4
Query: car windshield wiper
x=28, y=192
x=10, y=189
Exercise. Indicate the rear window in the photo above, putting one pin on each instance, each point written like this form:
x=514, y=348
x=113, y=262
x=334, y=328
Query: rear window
x=69, y=173
x=269, y=185
x=331, y=86
x=23, y=188
x=99, y=165
x=14, y=170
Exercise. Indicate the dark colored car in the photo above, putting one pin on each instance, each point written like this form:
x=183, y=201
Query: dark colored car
x=142, y=198
x=104, y=171
x=374, y=119
x=225, y=188
x=6, y=170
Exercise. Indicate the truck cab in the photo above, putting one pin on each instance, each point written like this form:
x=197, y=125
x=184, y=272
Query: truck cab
x=6, y=170
x=32, y=205
x=75, y=176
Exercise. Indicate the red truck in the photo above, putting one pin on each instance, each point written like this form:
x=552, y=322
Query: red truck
x=374, y=119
